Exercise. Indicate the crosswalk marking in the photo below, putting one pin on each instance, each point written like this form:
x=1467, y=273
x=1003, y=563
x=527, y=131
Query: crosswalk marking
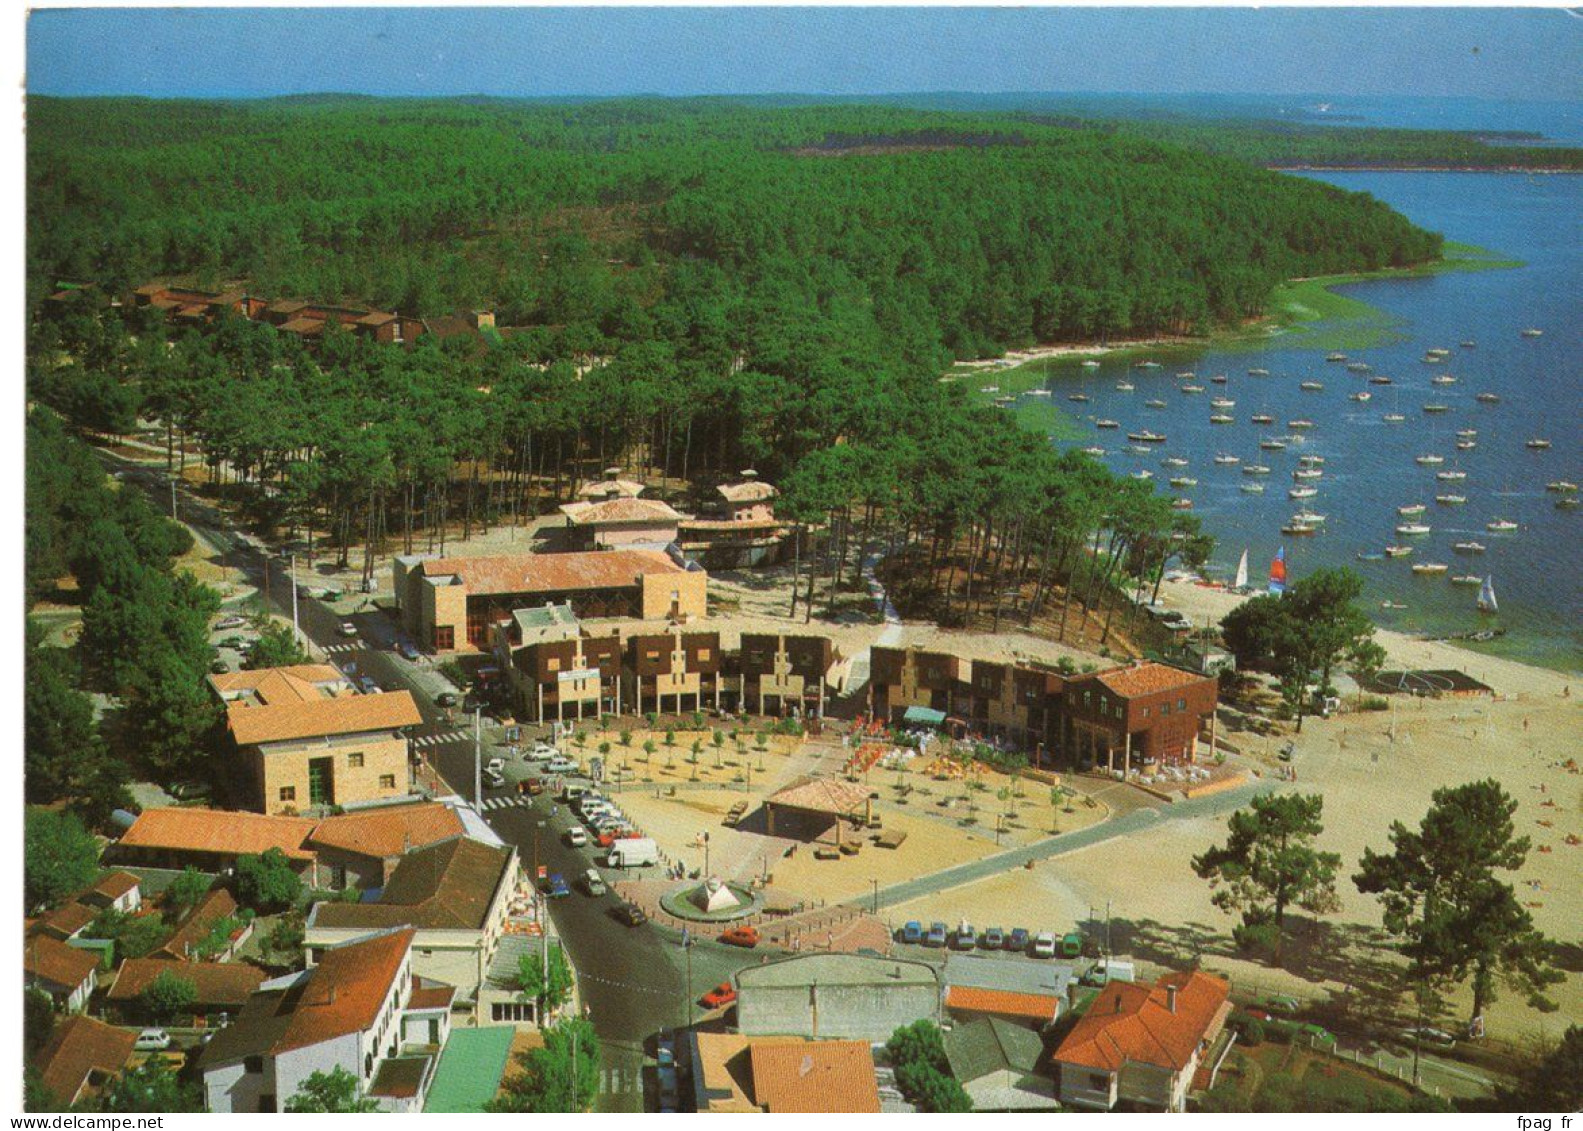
x=442, y=739
x=506, y=803
x=341, y=649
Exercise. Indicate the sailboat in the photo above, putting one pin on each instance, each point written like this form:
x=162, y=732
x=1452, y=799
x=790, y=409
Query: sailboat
x=1278, y=573
x=1242, y=573
x=1487, y=597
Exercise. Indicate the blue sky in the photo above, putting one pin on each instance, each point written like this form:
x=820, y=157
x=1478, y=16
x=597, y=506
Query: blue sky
x=1531, y=54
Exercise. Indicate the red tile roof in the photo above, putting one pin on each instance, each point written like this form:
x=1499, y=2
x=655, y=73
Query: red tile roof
x=300, y=683
x=814, y=1076
x=552, y=573
x=620, y=510
x=114, y=885
x=1128, y=1022
x=344, y=991
x=388, y=832
x=429, y=994
x=351, y=714
x=1148, y=679
x=218, y=983
x=221, y=833
x=213, y=907
x=53, y=961
x=65, y=921
x=1002, y=1003
x=80, y=1048
x=822, y=795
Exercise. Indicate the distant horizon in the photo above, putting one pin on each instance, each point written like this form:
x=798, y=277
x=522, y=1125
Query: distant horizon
x=640, y=95
x=1523, y=54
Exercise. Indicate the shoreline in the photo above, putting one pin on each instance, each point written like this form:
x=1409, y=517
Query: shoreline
x=1502, y=170
x=1507, y=676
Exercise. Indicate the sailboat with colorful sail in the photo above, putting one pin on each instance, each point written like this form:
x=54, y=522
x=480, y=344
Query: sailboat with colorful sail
x=1241, y=582
x=1278, y=573
x=1487, y=596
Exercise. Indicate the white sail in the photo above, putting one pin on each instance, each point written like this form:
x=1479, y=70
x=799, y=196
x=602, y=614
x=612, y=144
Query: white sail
x=1242, y=572
x=1487, y=596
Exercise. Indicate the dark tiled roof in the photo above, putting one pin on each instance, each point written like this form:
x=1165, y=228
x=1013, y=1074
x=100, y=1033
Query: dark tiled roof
x=79, y=1048
x=448, y=887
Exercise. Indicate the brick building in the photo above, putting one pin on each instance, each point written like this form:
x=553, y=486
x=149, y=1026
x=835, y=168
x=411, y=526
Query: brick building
x=306, y=738
x=453, y=603
x=778, y=672
x=1143, y=712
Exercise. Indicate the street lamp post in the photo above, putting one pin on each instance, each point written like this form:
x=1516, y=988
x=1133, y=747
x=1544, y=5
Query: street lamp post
x=478, y=757
x=875, y=885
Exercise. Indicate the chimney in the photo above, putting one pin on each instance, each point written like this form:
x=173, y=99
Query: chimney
x=1170, y=998
x=1118, y=1003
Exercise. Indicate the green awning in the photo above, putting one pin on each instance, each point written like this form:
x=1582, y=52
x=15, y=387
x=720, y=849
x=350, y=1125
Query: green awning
x=927, y=716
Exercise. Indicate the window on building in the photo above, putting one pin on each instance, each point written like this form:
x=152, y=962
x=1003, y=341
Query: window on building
x=288, y=793
x=552, y=664
x=1181, y=704
x=511, y=1011
x=387, y=781
x=355, y=761
x=337, y=878
x=703, y=655
x=1098, y=1082
x=444, y=638
x=1088, y=697
x=676, y=594
x=1120, y=710
x=253, y=1064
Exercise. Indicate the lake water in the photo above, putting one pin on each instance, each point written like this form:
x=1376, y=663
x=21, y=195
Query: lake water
x=1370, y=467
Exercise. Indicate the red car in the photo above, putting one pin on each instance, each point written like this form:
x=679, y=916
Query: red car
x=722, y=995
x=741, y=936
x=1257, y=1014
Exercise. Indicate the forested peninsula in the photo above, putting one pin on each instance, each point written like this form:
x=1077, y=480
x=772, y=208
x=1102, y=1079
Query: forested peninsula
x=684, y=288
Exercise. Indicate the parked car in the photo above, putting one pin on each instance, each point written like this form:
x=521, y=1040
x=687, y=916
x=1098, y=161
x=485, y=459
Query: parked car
x=236, y=643
x=993, y=939
x=594, y=883
x=632, y=915
x=190, y=790
x=1018, y=940
x=542, y=752
x=912, y=932
x=494, y=779
x=1318, y=1033
x=367, y=685
x=1428, y=1036
x=447, y=699
x=407, y=649
x=561, y=766
x=555, y=887
x=531, y=786
x=936, y=935
x=346, y=628
x=965, y=938
x=229, y=622
x=1281, y=1003
x=1044, y=945
x=576, y=837
x=152, y=1040
x=722, y=995
x=1258, y=1014
x=741, y=936
x=219, y=667
x=304, y=592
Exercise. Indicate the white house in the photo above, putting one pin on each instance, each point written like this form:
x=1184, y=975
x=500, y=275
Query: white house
x=458, y=897
x=361, y=1009
x=1142, y=1045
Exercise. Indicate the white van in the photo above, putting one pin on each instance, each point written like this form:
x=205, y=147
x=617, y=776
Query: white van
x=635, y=852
